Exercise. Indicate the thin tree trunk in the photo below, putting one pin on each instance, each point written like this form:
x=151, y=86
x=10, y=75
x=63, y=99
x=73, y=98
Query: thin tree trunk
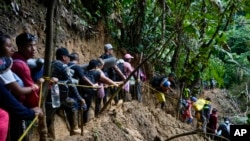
x=47, y=66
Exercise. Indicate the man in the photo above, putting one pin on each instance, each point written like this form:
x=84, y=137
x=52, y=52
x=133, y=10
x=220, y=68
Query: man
x=26, y=44
x=110, y=72
x=212, y=123
x=62, y=71
x=224, y=130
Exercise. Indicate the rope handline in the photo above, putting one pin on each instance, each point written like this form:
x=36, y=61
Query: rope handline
x=159, y=92
x=36, y=117
x=84, y=86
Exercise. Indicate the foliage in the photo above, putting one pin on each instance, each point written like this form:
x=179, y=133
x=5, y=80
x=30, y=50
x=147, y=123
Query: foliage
x=215, y=70
x=193, y=42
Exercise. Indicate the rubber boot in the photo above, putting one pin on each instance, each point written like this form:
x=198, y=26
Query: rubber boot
x=74, y=124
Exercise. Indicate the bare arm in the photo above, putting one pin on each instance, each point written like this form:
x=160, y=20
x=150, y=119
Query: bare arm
x=119, y=72
x=106, y=80
x=18, y=90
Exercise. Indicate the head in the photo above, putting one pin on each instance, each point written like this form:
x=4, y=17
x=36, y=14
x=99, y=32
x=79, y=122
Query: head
x=74, y=57
x=92, y=64
x=193, y=99
x=108, y=48
x=171, y=76
x=165, y=85
x=6, y=47
x=100, y=63
x=26, y=44
x=214, y=110
x=128, y=57
x=62, y=54
x=226, y=120
x=208, y=99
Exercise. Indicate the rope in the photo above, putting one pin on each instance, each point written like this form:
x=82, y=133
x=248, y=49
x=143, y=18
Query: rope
x=36, y=117
x=159, y=91
x=84, y=86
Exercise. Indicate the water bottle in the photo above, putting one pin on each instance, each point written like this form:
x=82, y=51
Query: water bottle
x=132, y=80
x=55, y=96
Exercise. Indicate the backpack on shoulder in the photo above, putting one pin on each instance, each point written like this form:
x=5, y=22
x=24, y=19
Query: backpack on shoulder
x=156, y=81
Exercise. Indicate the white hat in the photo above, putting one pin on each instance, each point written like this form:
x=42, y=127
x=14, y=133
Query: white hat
x=108, y=46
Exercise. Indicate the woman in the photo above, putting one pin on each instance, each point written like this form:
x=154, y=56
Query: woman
x=95, y=76
x=8, y=78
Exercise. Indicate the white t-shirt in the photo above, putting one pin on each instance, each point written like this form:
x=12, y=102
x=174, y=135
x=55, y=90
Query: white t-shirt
x=7, y=77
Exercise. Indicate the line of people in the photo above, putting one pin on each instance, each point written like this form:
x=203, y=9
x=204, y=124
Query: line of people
x=206, y=116
x=23, y=82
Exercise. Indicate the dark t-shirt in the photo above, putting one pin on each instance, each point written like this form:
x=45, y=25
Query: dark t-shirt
x=94, y=77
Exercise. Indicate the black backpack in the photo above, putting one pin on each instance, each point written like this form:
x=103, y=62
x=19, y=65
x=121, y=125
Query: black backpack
x=156, y=81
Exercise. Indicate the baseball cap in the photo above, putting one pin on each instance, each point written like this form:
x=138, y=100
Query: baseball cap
x=108, y=46
x=194, y=99
x=62, y=51
x=24, y=38
x=166, y=83
x=128, y=56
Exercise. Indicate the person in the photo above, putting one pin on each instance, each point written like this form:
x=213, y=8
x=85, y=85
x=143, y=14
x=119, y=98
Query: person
x=206, y=110
x=110, y=72
x=202, y=107
x=187, y=110
x=10, y=105
x=62, y=71
x=100, y=91
x=7, y=77
x=13, y=83
x=212, y=123
x=164, y=87
x=224, y=130
x=26, y=44
x=93, y=73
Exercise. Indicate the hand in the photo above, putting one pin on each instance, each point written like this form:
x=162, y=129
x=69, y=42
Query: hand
x=38, y=111
x=54, y=80
x=34, y=87
x=119, y=83
x=40, y=80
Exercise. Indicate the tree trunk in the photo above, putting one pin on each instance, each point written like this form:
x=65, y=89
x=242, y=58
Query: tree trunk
x=47, y=67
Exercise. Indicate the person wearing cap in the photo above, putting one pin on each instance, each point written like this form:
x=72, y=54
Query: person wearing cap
x=110, y=72
x=160, y=95
x=224, y=130
x=212, y=123
x=26, y=44
x=15, y=84
x=62, y=71
x=127, y=69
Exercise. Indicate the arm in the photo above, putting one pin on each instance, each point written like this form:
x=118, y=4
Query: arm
x=18, y=90
x=106, y=80
x=10, y=104
x=119, y=72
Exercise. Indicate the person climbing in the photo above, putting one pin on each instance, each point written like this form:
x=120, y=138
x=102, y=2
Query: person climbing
x=201, y=107
x=186, y=110
x=110, y=72
x=223, y=130
x=212, y=123
x=164, y=87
